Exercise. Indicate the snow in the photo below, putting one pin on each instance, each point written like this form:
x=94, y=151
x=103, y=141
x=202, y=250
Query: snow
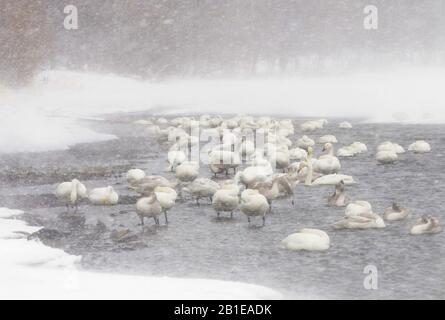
x=43, y=116
x=31, y=270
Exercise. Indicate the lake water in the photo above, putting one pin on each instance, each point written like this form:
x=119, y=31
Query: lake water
x=196, y=244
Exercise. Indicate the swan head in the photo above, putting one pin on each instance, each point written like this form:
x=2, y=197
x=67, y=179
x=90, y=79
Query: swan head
x=327, y=147
x=396, y=207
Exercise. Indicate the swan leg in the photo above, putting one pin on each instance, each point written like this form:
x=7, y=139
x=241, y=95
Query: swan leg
x=165, y=214
x=231, y=215
x=211, y=199
x=264, y=220
x=217, y=215
x=67, y=208
x=197, y=201
x=142, y=221
x=75, y=207
x=156, y=221
x=248, y=220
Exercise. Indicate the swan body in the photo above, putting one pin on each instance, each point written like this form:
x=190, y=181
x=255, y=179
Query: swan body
x=297, y=154
x=361, y=221
x=187, y=171
x=225, y=200
x=333, y=179
x=358, y=207
x=146, y=185
x=345, y=152
x=426, y=225
x=395, y=212
x=339, y=198
x=254, y=204
x=167, y=197
x=202, y=188
x=327, y=163
x=256, y=173
x=71, y=192
x=420, y=146
x=134, y=175
x=149, y=207
x=305, y=142
x=175, y=158
x=307, y=239
x=327, y=139
x=386, y=157
x=391, y=147
x=358, y=147
x=345, y=125
x=103, y=196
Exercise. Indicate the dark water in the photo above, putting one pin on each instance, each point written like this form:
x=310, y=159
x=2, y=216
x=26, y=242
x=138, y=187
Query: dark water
x=195, y=244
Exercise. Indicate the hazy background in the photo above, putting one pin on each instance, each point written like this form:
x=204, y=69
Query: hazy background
x=161, y=39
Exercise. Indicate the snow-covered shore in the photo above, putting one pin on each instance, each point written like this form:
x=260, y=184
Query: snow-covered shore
x=42, y=116
x=31, y=270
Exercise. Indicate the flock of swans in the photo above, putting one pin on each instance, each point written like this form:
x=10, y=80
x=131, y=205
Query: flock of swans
x=249, y=175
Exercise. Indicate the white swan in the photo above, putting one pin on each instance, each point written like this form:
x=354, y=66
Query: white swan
x=175, y=158
x=395, y=212
x=146, y=185
x=187, y=171
x=166, y=197
x=305, y=142
x=386, y=157
x=327, y=139
x=327, y=163
x=149, y=207
x=361, y=221
x=333, y=179
x=391, y=147
x=347, y=151
x=307, y=239
x=202, y=188
x=71, y=192
x=259, y=172
x=103, y=196
x=358, y=207
x=358, y=147
x=345, y=125
x=254, y=204
x=297, y=154
x=420, y=146
x=134, y=175
x=225, y=200
x=426, y=225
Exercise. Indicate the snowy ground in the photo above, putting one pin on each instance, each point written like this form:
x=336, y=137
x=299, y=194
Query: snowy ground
x=31, y=270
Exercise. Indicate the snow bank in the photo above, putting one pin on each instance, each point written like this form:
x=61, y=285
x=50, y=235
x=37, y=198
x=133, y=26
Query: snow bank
x=31, y=270
x=30, y=130
x=36, y=117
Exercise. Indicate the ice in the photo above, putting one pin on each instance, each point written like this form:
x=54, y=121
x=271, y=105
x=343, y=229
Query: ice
x=31, y=270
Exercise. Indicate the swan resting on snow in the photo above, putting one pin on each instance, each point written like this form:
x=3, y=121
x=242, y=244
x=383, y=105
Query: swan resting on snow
x=71, y=192
x=395, y=212
x=307, y=239
x=103, y=196
x=426, y=225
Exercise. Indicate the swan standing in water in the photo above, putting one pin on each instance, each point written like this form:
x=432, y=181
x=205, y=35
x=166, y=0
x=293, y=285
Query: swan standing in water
x=426, y=225
x=71, y=192
x=149, y=207
x=420, y=146
x=202, y=188
x=225, y=200
x=338, y=199
x=307, y=239
x=166, y=197
x=187, y=171
x=395, y=212
x=103, y=196
x=254, y=204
